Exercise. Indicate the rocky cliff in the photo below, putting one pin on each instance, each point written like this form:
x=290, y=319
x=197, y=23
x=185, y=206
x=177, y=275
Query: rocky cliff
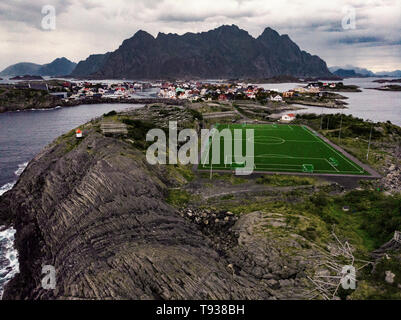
x=97, y=212
x=90, y=66
x=225, y=52
x=12, y=99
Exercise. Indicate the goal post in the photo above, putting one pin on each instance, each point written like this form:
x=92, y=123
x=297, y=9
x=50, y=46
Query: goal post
x=308, y=168
x=333, y=162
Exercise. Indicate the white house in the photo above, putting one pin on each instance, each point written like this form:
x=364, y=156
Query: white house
x=288, y=117
x=277, y=98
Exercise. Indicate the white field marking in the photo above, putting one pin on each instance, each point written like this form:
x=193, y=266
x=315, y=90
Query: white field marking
x=332, y=165
x=277, y=142
x=293, y=170
x=300, y=141
x=259, y=138
x=281, y=156
x=266, y=168
x=315, y=171
x=335, y=151
x=208, y=150
x=292, y=129
x=256, y=140
x=261, y=130
x=283, y=164
x=206, y=157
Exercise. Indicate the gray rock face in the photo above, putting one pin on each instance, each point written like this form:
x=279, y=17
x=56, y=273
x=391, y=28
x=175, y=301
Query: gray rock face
x=89, y=66
x=95, y=210
x=225, y=52
x=390, y=277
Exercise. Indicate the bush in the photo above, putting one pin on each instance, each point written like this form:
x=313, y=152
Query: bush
x=310, y=233
x=178, y=198
x=196, y=114
x=283, y=180
x=320, y=200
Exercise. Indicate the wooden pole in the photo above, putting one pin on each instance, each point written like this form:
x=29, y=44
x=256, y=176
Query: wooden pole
x=341, y=125
x=370, y=141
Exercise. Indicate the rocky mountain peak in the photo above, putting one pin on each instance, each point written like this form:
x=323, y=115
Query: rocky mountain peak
x=224, y=52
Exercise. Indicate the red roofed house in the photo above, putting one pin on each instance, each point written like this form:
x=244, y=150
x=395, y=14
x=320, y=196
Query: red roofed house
x=288, y=117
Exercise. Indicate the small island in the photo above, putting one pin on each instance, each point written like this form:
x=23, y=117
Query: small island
x=334, y=87
x=390, y=87
x=27, y=78
x=388, y=81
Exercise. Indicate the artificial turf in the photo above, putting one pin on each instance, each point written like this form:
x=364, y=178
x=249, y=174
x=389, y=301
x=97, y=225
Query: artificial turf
x=286, y=148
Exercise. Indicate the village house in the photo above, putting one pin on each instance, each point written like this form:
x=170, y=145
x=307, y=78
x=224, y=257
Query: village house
x=277, y=98
x=222, y=97
x=301, y=90
x=314, y=90
x=288, y=117
x=288, y=94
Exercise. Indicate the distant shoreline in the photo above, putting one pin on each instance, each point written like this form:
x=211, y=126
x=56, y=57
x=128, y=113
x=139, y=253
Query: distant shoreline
x=95, y=101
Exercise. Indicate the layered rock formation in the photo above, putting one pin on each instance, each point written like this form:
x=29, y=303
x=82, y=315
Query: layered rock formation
x=96, y=211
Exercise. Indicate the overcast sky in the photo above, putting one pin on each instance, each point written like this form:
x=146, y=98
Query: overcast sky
x=85, y=27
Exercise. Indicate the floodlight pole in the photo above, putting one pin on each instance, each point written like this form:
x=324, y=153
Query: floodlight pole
x=370, y=141
x=341, y=125
x=321, y=121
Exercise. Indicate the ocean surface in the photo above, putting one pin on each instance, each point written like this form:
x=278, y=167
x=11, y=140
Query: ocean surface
x=378, y=106
x=23, y=134
x=9, y=265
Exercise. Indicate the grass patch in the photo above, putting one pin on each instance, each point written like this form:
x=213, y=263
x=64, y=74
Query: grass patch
x=230, y=178
x=178, y=198
x=284, y=181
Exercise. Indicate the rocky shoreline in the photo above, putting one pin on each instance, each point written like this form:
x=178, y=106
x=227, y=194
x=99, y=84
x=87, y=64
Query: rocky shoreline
x=54, y=103
x=96, y=211
x=391, y=88
x=335, y=104
x=104, y=218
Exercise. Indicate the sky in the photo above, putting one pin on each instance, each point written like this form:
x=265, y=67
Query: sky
x=363, y=33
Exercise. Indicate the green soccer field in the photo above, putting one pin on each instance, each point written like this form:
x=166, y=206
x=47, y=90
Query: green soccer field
x=285, y=148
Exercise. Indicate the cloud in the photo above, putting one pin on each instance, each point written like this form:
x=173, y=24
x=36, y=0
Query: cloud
x=29, y=12
x=96, y=26
x=365, y=39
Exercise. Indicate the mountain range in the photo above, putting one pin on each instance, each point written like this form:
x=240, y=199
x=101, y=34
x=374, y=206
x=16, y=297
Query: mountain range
x=352, y=71
x=225, y=52
x=58, y=67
